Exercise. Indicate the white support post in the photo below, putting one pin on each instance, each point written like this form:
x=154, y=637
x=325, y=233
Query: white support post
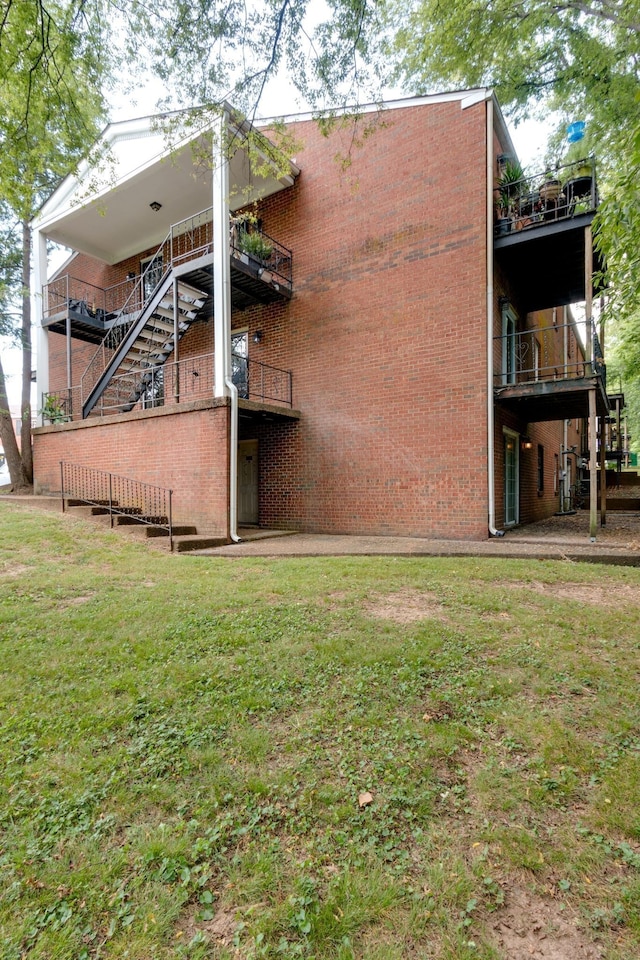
x=37, y=312
x=221, y=260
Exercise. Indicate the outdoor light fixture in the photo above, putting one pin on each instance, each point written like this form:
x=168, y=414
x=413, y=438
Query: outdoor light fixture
x=257, y=337
x=131, y=275
x=155, y=206
x=526, y=443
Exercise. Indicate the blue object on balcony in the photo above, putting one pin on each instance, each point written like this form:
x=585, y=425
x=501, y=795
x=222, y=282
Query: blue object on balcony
x=575, y=131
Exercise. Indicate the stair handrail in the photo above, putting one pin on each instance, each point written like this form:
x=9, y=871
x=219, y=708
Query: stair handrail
x=132, y=307
x=121, y=496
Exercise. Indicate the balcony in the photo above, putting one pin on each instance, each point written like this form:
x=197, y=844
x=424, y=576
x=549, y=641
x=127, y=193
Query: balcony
x=261, y=272
x=259, y=386
x=544, y=374
x=540, y=234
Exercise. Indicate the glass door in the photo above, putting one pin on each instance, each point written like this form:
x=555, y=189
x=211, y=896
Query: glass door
x=511, y=478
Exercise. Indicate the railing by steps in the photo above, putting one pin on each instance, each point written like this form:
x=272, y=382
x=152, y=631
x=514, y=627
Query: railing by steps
x=120, y=496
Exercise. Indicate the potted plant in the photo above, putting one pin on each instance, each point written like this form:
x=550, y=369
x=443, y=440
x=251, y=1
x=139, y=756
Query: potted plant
x=510, y=188
x=255, y=245
x=53, y=409
x=550, y=188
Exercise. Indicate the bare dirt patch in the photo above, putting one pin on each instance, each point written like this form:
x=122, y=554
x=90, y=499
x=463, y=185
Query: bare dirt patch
x=76, y=601
x=219, y=930
x=529, y=927
x=13, y=570
x=407, y=606
x=599, y=594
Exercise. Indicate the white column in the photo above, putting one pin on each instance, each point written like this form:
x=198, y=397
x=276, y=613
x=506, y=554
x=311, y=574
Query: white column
x=221, y=255
x=39, y=278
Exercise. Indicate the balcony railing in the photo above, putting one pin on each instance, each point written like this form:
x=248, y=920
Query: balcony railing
x=546, y=353
x=186, y=241
x=174, y=383
x=550, y=195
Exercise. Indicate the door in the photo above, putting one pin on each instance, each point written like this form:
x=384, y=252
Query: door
x=511, y=478
x=240, y=362
x=248, y=482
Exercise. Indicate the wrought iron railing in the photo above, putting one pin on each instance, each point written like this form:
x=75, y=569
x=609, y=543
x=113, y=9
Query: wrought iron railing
x=120, y=496
x=553, y=352
x=562, y=192
x=176, y=382
x=57, y=407
x=272, y=260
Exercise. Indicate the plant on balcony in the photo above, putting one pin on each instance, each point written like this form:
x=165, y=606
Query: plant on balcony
x=53, y=410
x=550, y=187
x=255, y=245
x=510, y=190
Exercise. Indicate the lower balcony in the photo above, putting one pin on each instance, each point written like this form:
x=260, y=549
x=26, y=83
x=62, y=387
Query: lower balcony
x=261, y=388
x=544, y=375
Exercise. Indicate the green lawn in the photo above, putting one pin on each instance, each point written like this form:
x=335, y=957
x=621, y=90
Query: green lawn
x=184, y=742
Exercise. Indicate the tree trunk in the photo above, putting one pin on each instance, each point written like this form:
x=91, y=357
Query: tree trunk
x=26, y=450
x=8, y=437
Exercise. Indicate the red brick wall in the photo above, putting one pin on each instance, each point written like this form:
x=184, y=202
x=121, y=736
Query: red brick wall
x=385, y=335
x=186, y=451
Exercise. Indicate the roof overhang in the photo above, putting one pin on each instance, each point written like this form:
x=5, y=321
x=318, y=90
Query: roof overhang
x=105, y=209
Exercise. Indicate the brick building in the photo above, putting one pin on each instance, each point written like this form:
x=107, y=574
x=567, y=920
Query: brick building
x=378, y=346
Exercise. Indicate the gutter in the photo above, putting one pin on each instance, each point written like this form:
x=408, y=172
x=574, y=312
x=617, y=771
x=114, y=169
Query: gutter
x=491, y=485
x=233, y=460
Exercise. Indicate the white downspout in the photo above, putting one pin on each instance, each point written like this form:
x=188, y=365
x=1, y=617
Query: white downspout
x=224, y=385
x=37, y=307
x=490, y=321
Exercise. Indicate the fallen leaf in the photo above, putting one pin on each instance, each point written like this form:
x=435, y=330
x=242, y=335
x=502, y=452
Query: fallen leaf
x=364, y=799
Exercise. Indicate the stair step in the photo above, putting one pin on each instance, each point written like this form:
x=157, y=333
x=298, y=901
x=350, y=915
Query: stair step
x=191, y=294
x=165, y=309
x=184, y=544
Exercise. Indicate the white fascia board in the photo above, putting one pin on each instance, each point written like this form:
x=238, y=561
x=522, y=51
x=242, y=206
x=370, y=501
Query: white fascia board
x=466, y=97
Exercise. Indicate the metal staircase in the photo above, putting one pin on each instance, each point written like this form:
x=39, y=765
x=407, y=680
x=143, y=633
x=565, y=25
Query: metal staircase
x=139, y=341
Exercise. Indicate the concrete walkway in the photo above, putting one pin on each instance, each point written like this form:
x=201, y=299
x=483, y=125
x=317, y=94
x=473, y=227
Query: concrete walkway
x=559, y=538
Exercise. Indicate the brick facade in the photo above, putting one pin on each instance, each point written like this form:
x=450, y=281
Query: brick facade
x=385, y=338
x=187, y=452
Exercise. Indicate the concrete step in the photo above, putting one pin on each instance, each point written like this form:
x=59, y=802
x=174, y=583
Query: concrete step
x=184, y=544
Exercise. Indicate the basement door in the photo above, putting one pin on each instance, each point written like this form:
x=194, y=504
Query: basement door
x=248, y=482
x=511, y=478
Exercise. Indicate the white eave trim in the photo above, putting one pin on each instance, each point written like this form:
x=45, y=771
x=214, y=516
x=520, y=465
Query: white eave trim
x=467, y=98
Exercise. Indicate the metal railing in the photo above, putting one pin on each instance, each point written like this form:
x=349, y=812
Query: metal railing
x=273, y=261
x=172, y=383
x=120, y=496
x=550, y=195
x=57, y=406
x=539, y=354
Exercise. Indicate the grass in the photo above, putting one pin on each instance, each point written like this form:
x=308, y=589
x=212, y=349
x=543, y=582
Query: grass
x=183, y=742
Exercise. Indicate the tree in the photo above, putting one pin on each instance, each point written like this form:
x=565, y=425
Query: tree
x=578, y=57
x=50, y=104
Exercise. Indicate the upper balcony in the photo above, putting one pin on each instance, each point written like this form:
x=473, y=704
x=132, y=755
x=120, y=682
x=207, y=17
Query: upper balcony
x=261, y=271
x=540, y=233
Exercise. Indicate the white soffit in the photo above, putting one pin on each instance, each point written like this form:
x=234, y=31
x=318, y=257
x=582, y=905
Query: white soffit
x=105, y=211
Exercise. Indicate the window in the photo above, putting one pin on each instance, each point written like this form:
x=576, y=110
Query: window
x=240, y=362
x=540, y=468
x=509, y=345
x=151, y=270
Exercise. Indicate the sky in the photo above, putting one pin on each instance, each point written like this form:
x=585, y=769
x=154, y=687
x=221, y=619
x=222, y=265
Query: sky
x=280, y=97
